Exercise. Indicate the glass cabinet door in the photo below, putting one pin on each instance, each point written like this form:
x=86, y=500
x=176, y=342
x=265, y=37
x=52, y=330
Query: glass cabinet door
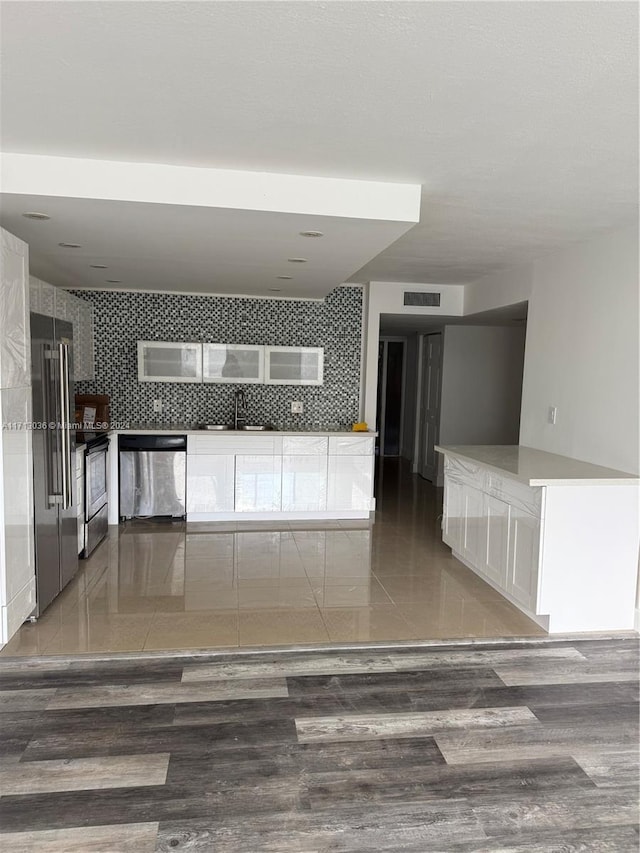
x=233, y=363
x=294, y=365
x=161, y=361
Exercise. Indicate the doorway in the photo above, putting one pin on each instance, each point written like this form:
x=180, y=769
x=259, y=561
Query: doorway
x=391, y=389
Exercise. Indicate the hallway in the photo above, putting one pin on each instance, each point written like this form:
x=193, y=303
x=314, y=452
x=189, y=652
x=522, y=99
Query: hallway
x=160, y=586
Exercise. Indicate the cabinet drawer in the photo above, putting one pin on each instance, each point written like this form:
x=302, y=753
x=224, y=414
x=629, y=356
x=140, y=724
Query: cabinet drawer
x=512, y=492
x=303, y=445
x=264, y=445
x=463, y=471
x=348, y=446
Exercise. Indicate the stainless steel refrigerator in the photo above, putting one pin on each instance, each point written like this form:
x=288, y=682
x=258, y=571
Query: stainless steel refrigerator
x=56, y=536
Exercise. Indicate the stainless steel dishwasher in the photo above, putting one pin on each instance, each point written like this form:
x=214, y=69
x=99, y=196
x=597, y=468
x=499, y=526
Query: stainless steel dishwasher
x=152, y=475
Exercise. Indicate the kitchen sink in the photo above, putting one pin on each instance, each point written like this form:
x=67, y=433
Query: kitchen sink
x=245, y=427
x=216, y=426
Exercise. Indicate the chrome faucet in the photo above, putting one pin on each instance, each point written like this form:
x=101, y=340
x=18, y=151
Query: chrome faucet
x=240, y=416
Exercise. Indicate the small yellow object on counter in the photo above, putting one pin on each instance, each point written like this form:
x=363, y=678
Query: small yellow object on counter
x=361, y=426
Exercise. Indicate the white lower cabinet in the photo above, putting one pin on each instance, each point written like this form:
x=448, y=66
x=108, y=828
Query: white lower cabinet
x=494, y=535
x=349, y=482
x=563, y=548
x=210, y=483
x=453, y=514
x=496, y=539
x=258, y=484
x=524, y=557
x=296, y=476
x=472, y=525
x=304, y=483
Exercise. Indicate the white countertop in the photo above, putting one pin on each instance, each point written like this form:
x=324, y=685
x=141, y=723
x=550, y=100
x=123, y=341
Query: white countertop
x=149, y=429
x=536, y=467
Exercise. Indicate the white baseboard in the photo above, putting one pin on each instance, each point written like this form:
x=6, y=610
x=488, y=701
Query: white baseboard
x=277, y=516
x=13, y=614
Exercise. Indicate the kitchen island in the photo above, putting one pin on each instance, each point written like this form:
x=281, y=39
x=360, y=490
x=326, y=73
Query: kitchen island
x=556, y=536
x=274, y=475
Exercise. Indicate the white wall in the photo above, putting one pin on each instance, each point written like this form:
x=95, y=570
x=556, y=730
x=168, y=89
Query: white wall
x=582, y=353
x=481, y=384
x=496, y=291
x=582, y=349
x=387, y=297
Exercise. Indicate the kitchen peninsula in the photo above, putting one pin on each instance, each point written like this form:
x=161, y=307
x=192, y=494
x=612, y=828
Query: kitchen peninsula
x=270, y=475
x=556, y=536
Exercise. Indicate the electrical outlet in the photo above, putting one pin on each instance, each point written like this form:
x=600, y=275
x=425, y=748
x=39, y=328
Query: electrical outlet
x=157, y=405
x=553, y=414
x=297, y=407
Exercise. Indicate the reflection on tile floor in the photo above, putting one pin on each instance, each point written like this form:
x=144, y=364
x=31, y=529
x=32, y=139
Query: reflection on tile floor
x=154, y=585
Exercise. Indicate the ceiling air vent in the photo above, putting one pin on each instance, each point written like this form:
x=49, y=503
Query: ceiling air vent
x=423, y=300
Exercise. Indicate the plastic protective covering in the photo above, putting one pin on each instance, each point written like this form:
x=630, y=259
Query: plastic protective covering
x=303, y=445
x=15, y=371
x=462, y=471
x=17, y=582
x=465, y=472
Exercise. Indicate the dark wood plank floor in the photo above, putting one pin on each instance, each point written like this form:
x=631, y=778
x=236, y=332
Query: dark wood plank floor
x=519, y=747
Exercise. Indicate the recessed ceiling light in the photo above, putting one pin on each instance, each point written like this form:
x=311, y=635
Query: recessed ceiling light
x=34, y=215
x=113, y=280
x=70, y=245
x=285, y=277
x=99, y=266
x=297, y=260
x=275, y=290
x=311, y=234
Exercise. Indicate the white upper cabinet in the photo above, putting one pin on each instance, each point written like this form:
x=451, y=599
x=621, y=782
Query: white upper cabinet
x=63, y=304
x=165, y=361
x=294, y=365
x=55, y=302
x=161, y=361
x=233, y=363
x=83, y=342
x=15, y=352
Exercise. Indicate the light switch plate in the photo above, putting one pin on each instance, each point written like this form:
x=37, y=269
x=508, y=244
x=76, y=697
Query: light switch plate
x=553, y=414
x=297, y=407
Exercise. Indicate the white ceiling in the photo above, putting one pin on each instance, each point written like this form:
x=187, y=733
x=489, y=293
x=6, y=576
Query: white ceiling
x=190, y=249
x=185, y=228
x=519, y=119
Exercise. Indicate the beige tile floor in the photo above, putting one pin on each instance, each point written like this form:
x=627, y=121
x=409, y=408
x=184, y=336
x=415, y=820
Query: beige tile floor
x=153, y=586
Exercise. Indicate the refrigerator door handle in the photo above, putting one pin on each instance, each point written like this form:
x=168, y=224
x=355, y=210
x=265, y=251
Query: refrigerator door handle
x=49, y=357
x=65, y=427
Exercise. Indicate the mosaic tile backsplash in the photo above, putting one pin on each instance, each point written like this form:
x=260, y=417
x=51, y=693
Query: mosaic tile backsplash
x=124, y=318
